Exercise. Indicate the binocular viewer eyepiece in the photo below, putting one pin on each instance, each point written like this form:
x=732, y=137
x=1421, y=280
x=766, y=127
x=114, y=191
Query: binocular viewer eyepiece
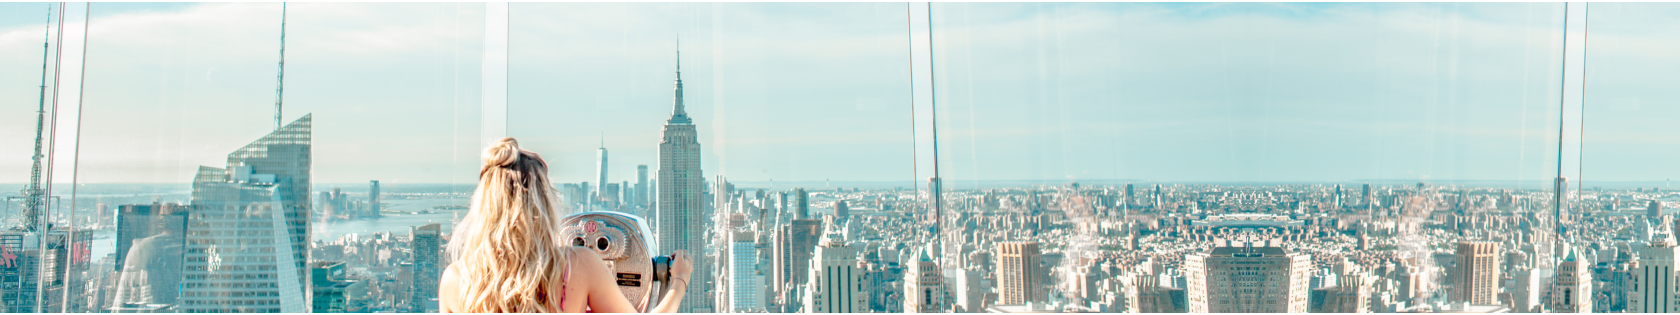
x=662, y=269
x=627, y=246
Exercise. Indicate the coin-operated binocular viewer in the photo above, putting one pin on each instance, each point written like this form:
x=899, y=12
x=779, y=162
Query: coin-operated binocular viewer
x=628, y=247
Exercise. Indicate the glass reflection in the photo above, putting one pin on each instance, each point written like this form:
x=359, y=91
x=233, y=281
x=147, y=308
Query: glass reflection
x=1105, y=157
x=1125, y=157
x=201, y=201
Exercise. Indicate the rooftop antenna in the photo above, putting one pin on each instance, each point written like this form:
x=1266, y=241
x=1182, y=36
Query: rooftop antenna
x=678, y=47
x=38, y=196
x=32, y=193
x=280, y=90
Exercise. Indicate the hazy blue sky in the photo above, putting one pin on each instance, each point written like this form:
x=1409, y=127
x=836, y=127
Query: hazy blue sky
x=813, y=91
x=780, y=91
x=1249, y=92
x=393, y=88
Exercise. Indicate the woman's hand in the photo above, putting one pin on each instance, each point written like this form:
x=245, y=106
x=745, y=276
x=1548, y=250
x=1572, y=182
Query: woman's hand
x=681, y=266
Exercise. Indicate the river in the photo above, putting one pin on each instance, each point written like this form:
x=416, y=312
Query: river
x=398, y=223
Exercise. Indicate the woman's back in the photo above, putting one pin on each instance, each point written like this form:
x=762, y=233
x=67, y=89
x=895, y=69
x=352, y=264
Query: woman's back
x=508, y=256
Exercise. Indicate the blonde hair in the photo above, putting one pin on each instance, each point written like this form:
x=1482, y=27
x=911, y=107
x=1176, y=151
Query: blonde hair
x=506, y=250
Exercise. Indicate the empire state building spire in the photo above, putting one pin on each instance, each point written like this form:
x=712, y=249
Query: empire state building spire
x=679, y=116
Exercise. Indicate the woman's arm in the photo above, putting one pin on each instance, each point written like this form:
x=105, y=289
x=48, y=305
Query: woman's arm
x=681, y=269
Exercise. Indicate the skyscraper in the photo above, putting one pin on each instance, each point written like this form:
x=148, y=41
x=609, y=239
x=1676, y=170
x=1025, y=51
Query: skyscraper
x=1477, y=280
x=1337, y=203
x=373, y=199
x=744, y=279
x=1525, y=294
x=936, y=198
x=328, y=286
x=427, y=247
x=641, y=186
x=1653, y=210
x=681, y=221
x=835, y=281
x=801, y=204
x=1248, y=279
x=601, y=195
x=924, y=288
x=722, y=191
x=841, y=212
x=607, y=197
x=626, y=194
x=793, y=248
x=1560, y=195
x=1572, y=285
x=1017, y=268
x=248, y=234
x=783, y=211
x=589, y=192
x=1653, y=286
x=1130, y=194
x=1365, y=195
x=33, y=265
x=1351, y=292
x=571, y=194
x=1155, y=198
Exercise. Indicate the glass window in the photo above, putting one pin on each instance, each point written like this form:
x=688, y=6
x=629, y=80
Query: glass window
x=1141, y=133
x=194, y=170
x=1627, y=132
x=787, y=121
x=315, y=157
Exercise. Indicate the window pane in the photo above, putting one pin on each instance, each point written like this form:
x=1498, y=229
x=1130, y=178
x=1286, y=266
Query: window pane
x=42, y=49
x=1117, y=133
x=777, y=99
x=195, y=183
x=1628, y=135
x=1108, y=157
x=26, y=98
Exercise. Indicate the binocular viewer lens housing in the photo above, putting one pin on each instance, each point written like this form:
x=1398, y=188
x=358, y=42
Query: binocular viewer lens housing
x=627, y=246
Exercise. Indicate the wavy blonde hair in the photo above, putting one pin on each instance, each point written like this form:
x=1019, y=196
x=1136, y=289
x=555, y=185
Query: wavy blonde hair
x=506, y=251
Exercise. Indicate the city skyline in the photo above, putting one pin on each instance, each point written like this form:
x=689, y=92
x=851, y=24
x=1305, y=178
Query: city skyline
x=1086, y=157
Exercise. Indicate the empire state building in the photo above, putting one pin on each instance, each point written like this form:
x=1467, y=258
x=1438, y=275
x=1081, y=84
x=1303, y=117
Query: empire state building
x=680, y=217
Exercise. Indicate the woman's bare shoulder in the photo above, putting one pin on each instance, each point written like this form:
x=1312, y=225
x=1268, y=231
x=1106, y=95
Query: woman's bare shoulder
x=449, y=276
x=584, y=262
x=448, y=299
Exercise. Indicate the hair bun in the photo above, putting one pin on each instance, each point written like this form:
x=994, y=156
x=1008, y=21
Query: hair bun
x=503, y=153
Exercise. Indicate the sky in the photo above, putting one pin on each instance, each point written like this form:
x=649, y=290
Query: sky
x=819, y=91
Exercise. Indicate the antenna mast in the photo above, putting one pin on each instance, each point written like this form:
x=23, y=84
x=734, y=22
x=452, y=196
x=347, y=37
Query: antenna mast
x=32, y=193
x=280, y=90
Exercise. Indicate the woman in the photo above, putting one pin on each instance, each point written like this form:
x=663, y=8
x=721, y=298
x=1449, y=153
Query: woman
x=507, y=255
